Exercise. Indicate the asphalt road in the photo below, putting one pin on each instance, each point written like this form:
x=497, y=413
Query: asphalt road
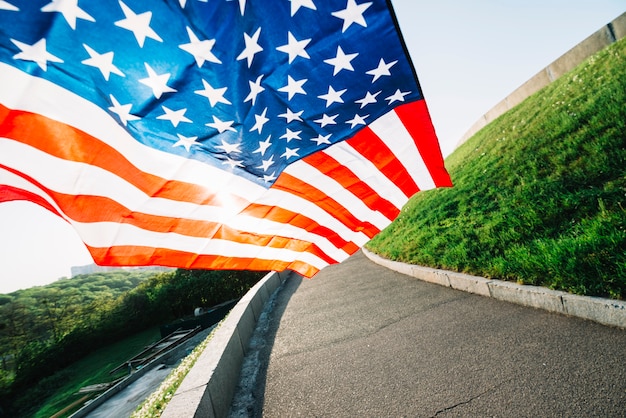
x=359, y=340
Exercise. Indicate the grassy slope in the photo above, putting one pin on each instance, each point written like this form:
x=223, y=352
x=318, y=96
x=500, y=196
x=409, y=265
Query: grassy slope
x=539, y=195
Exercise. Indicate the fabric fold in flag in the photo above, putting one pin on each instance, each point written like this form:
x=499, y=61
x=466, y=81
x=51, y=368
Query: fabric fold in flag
x=261, y=135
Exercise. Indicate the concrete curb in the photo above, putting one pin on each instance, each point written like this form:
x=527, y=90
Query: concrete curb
x=604, y=311
x=208, y=388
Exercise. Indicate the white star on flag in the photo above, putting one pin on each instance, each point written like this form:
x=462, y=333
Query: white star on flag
x=261, y=120
x=269, y=178
x=157, y=82
x=398, y=96
x=326, y=120
x=357, y=120
x=381, y=70
x=229, y=148
x=252, y=47
x=368, y=99
x=70, y=11
x=215, y=95
x=36, y=53
x=266, y=164
x=122, y=111
x=332, y=96
x=221, y=126
x=341, y=61
x=263, y=146
x=103, y=62
x=289, y=135
x=293, y=87
x=295, y=48
x=291, y=116
x=138, y=24
x=255, y=89
x=232, y=163
x=201, y=50
x=290, y=153
x=174, y=116
x=353, y=13
x=186, y=141
x=321, y=139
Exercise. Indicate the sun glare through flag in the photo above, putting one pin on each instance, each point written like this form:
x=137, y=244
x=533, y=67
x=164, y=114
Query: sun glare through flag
x=262, y=135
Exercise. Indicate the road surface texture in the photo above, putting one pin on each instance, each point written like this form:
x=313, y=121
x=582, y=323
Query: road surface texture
x=359, y=340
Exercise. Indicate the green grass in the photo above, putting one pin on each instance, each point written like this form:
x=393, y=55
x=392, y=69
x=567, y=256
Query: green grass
x=539, y=195
x=88, y=371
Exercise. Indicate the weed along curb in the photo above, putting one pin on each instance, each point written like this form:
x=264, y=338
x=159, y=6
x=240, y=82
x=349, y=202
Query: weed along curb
x=209, y=387
x=604, y=311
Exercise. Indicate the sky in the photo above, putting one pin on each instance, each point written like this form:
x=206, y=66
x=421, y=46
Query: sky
x=468, y=55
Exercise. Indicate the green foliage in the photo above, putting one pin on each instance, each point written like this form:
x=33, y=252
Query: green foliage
x=35, y=320
x=92, y=369
x=540, y=193
x=45, y=329
x=206, y=288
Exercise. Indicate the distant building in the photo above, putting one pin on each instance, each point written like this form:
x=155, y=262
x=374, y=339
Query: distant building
x=94, y=268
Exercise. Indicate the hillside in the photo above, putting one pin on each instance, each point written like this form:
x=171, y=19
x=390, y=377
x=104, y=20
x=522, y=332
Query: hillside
x=45, y=330
x=539, y=194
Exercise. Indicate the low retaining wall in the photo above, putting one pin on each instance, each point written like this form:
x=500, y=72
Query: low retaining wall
x=604, y=311
x=208, y=388
x=612, y=32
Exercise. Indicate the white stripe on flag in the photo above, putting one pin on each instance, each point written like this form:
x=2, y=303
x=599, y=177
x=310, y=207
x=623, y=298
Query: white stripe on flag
x=107, y=234
x=333, y=189
x=367, y=172
x=107, y=185
x=392, y=131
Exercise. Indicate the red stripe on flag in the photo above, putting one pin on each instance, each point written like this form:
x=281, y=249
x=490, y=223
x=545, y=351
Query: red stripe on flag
x=416, y=119
x=349, y=181
x=87, y=209
x=33, y=130
x=144, y=256
x=304, y=190
x=300, y=221
x=36, y=131
x=10, y=194
x=368, y=144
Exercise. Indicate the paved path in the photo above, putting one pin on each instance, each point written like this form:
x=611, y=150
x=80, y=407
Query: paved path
x=360, y=340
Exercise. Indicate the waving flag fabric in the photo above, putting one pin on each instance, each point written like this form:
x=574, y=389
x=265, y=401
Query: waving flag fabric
x=256, y=134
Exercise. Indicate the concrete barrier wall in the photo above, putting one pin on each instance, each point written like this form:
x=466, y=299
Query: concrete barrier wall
x=208, y=388
x=612, y=32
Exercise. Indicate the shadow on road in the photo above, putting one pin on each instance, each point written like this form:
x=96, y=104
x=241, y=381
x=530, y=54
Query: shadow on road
x=250, y=392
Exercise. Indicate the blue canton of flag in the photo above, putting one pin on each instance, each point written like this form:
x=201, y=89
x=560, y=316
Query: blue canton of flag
x=206, y=81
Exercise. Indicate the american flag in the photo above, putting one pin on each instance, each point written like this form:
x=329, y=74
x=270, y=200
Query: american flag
x=249, y=134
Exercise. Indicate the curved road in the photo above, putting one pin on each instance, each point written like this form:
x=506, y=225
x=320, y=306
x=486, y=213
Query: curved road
x=360, y=340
